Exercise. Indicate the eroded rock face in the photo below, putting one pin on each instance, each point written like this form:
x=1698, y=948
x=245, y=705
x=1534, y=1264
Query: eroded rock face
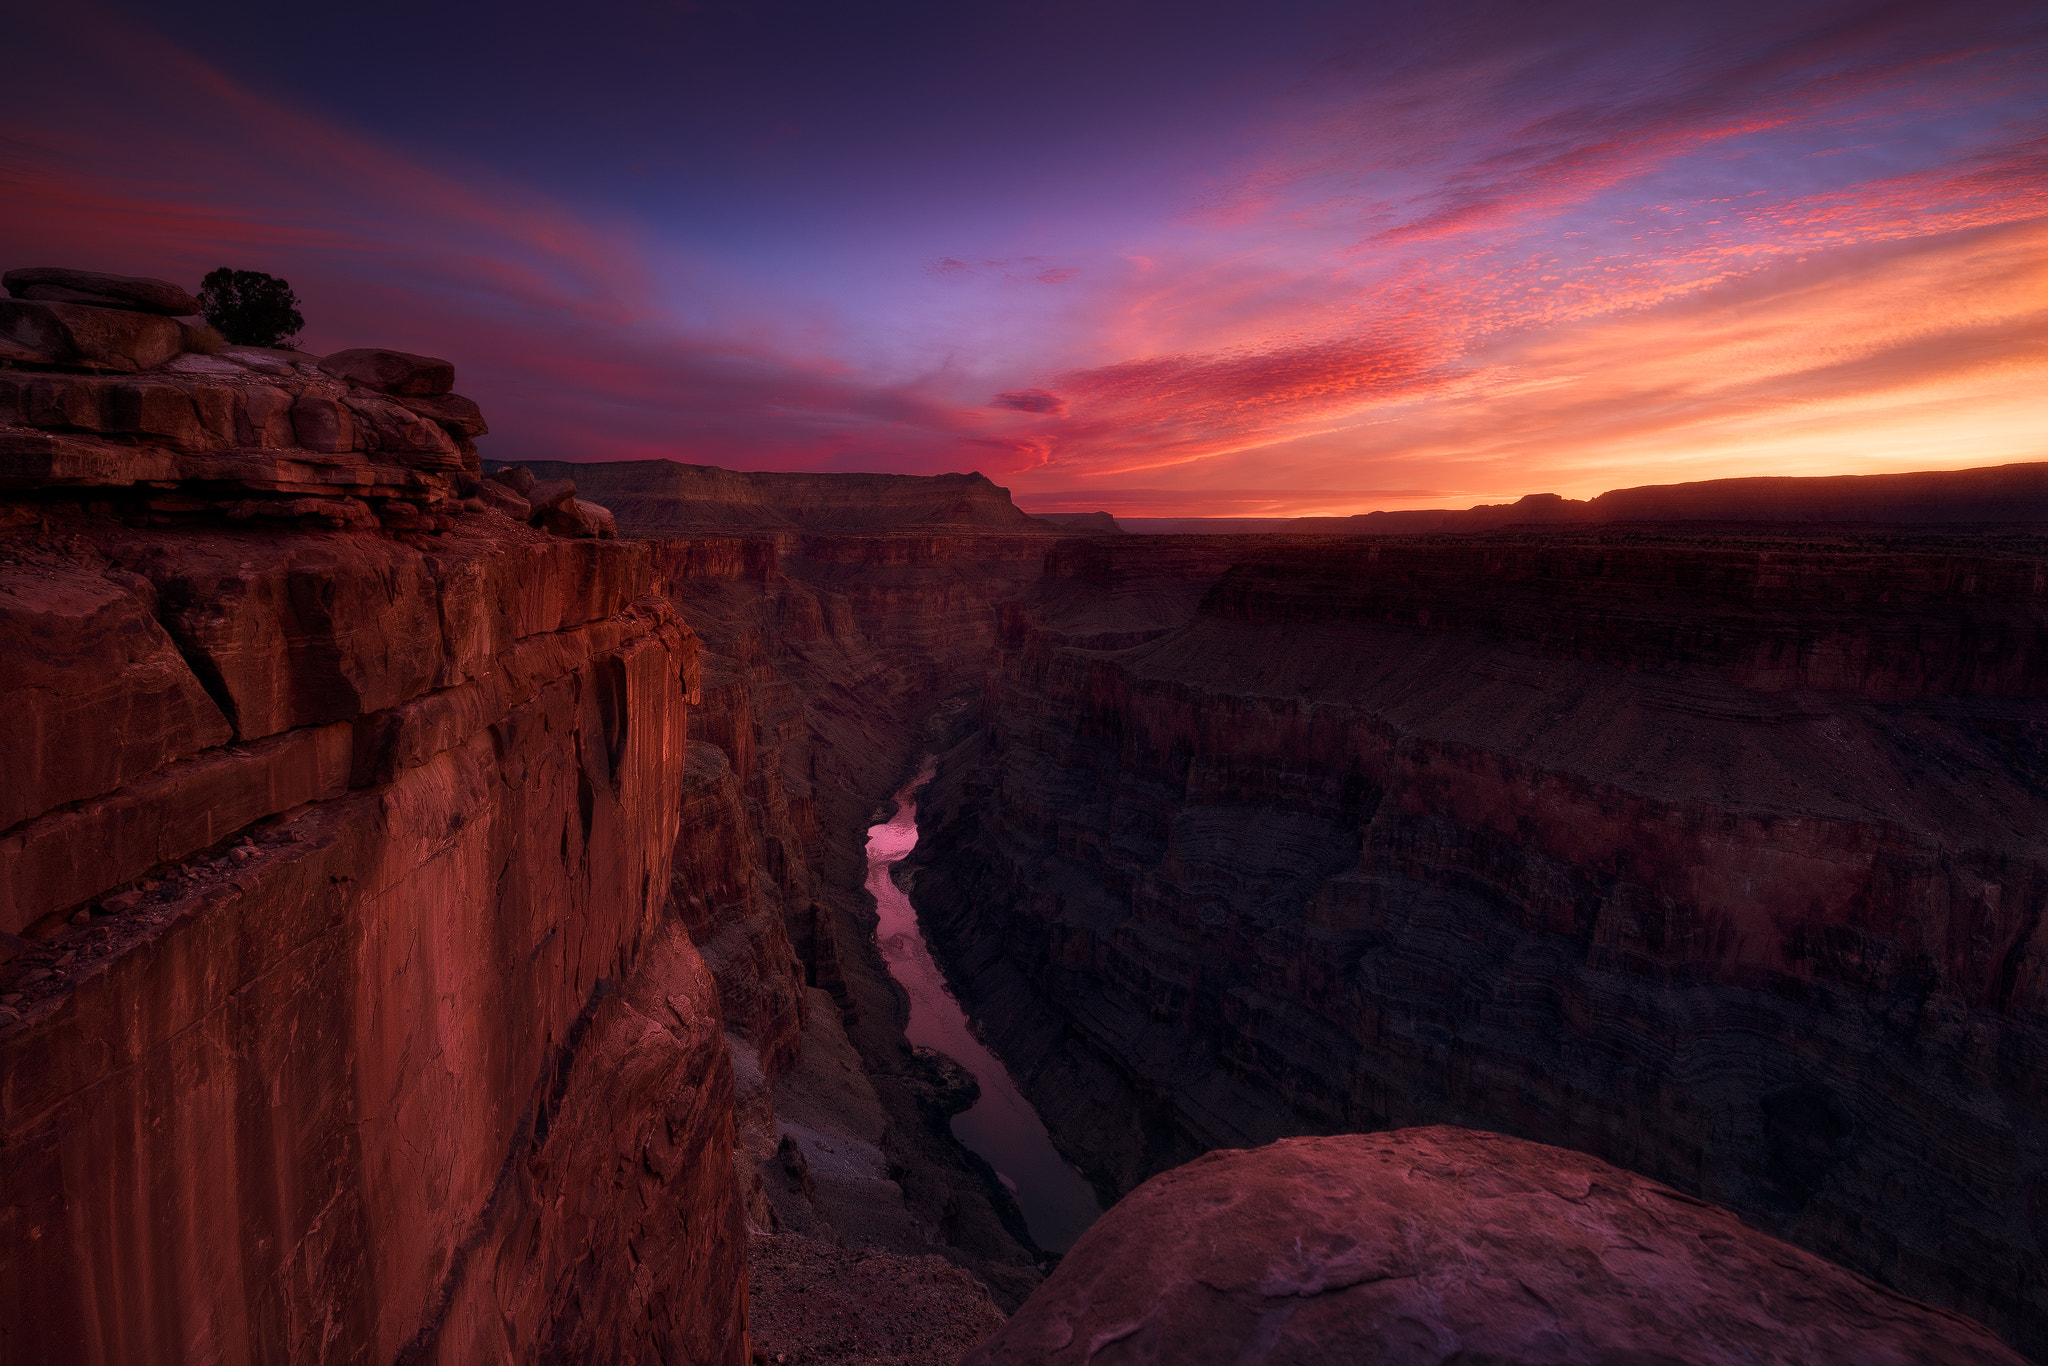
x=392, y=372
x=343, y=1013
x=1720, y=858
x=1442, y=1245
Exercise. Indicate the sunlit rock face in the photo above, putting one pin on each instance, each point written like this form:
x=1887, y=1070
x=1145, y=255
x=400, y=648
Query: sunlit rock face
x=343, y=1015
x=1444, y=1245
x=1719, y=858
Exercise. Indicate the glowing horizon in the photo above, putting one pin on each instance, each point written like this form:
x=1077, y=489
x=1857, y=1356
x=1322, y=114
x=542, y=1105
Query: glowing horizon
x=1350, y=261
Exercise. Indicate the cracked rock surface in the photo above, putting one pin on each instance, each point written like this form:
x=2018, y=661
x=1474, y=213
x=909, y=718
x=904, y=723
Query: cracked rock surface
x=1440, y=1244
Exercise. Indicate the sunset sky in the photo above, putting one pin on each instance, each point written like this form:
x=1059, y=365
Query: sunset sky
x=1171, y=260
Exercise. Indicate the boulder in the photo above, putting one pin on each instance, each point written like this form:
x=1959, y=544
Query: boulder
x=518, y=478
x=495, y=495
x=550, y=493
x=135, y=293
x=111, y=338
x=391, y=372
x=459, y=415
x=577, y=518
x=321, y=424
x=1441, y=1244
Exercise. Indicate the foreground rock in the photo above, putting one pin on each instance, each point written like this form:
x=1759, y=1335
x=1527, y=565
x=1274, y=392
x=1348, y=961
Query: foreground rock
x=1444, y=1245
x=1719, y=856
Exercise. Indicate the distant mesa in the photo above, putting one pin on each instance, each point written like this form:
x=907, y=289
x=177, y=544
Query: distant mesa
x=1100, y=522
x=663, y=497
x=1992, y=495
x=1441, y=1244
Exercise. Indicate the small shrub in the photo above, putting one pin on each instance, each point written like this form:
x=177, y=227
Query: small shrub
x=251, y=308
x=205, y=339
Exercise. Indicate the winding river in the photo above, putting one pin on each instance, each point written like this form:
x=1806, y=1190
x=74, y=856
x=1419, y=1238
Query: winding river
x=1002, y=1127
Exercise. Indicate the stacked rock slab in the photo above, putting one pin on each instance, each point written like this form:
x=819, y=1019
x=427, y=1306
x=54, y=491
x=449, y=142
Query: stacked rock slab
x=341, y=1014
x=80, y=318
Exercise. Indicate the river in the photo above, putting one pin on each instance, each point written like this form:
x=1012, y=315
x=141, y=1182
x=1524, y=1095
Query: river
x=1002, y=1127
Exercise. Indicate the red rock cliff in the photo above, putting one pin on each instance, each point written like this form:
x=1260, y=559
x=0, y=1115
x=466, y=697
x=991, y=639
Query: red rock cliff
x=343, y=1015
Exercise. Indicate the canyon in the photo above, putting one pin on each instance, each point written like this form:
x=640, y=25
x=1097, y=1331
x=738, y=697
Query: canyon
x=1715, y=854
x=435, y=919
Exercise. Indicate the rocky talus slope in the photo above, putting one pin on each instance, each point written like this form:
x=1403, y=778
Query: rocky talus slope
x=343, y=1017
x=1722, y=858
x=1442, y=1245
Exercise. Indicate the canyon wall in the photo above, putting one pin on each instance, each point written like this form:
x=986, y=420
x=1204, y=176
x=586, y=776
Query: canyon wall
x=343, y=1015
x=1719, y=857
x=822, y=658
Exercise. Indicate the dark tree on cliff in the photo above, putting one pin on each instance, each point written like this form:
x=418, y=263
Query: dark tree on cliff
x=251, y=308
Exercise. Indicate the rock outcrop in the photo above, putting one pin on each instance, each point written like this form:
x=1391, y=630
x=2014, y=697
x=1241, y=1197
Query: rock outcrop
x=1443, y=1245
x=1720, y=858
x=138, y=294
x=343, y=1014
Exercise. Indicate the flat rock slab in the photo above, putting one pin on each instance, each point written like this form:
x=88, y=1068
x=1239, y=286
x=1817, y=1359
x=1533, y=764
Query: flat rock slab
x=1439, y=1244
x=139, y=293
x=89, y=335
x=391, y=372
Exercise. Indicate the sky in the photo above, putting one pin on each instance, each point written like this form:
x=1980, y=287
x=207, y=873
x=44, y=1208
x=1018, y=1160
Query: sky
x=1163, y=260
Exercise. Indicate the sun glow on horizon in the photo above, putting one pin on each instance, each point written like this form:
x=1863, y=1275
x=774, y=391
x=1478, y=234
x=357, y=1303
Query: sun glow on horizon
x=1379, y=267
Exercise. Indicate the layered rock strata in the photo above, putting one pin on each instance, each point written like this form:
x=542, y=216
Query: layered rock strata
x=1720, y=859
x=662, y=497
x=1442, y=1245
x=343, y=1014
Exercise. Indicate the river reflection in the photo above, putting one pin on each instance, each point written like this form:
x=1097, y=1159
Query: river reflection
x=1058, y=1203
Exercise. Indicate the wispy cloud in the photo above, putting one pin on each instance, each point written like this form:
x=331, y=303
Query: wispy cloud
x=551, y=316
x=1485, y=251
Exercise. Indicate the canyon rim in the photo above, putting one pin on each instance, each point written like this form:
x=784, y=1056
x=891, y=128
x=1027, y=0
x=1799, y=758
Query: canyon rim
x=439, y=911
